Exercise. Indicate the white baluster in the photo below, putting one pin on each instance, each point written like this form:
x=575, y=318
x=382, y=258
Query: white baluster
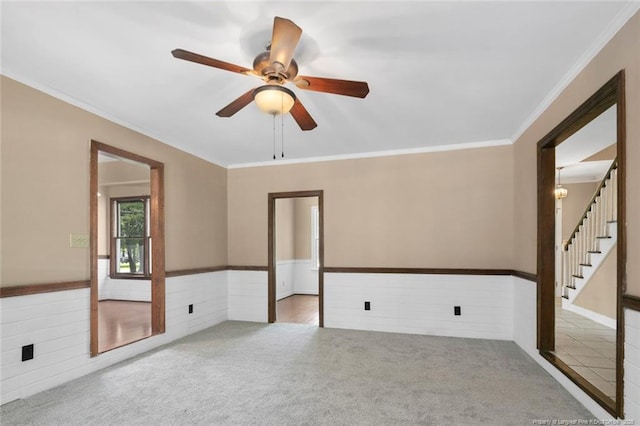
x=583, y=245
x=579, y=249
x=615, y=195
x=594, y=221
x=572, y=251
x=589, y=236
x=565, y=271
x=609, y=202
x=566, y=274
x=603, y=215
x=572, y=254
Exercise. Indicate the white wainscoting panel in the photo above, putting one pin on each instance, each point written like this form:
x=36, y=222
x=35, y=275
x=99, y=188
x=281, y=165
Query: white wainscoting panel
x=421, y=304
x=305, y=278
x=206, y=292
x=295, y=277
x=248, y=296
x=103, y=275
x=121, y=289
x=284, y=278
x=57, y=324
x=524, y=334
x=632, y=365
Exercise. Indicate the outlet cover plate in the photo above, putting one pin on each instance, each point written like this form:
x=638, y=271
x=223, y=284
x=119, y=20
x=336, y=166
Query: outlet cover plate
x=27, y=352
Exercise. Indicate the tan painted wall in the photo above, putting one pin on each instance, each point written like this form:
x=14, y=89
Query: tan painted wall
x=445, y=209
x=45, y=190
x=113, y=172
x=574, y=205
x=600, y=294
x=285, y=228
x=303, y=226
x=622, y=52
x=293, y=227
x=608, y=153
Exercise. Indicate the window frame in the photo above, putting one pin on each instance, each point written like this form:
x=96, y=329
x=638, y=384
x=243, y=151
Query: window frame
x=114, y=236
x=315, y=238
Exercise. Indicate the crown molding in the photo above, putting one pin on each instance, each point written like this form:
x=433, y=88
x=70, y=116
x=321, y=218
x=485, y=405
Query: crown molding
x=618, y=22
x=390, y=153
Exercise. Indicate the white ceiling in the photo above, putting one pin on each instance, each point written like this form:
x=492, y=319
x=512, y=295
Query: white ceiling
x=589, y=171
x=440, y=73
x=596, y=136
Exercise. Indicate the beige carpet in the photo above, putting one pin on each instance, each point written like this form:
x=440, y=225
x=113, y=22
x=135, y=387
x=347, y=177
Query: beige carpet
x=289, y=374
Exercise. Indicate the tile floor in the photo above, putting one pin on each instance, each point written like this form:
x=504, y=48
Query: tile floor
x=588, y=347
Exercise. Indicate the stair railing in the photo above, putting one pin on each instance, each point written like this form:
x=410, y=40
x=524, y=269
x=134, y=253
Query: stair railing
x=592, y=226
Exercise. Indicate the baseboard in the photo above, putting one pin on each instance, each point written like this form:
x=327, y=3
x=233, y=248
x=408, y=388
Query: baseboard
x=286, y=296
x=593, y=316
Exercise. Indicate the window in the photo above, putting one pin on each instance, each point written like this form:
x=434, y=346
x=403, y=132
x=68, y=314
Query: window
x=130, y=241
x=315, y=237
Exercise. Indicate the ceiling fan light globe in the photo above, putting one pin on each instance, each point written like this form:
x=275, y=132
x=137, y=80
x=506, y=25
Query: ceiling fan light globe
x=274, y=100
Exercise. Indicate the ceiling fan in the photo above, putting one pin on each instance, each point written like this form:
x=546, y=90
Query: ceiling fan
x=277, y=67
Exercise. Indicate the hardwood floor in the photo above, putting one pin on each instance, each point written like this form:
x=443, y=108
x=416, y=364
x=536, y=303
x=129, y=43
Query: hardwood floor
x=121, y=322
x=298, y=309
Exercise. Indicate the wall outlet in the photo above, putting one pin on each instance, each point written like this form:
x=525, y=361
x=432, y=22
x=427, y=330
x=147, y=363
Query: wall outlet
x=191, y=308
x=456, y=310
x=27, y=352
x=367, y=306
x=78, y=240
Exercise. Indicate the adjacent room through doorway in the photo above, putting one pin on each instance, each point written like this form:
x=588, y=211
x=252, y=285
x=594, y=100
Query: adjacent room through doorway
x=296, y=259
x=298, y=309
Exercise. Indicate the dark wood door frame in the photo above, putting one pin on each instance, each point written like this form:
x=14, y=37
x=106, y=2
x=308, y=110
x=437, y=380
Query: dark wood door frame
x=271, y=251
x=612, y=93
x=156, y=231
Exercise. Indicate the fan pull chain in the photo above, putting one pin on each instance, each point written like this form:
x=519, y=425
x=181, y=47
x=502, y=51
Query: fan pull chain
x=274, y=136
x=282, y=124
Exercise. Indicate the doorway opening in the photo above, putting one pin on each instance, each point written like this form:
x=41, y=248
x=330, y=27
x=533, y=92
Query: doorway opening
x=296, y=257
x=581, y=245
x=126, y=246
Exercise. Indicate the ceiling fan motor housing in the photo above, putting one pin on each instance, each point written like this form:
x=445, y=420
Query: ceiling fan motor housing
x=263, y=66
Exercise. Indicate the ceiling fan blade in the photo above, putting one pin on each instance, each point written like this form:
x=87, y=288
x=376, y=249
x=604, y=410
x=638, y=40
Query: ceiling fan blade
x=284, y=41
x=204, y=60
x=302, y=117
x=236, y=105
x=357, y=89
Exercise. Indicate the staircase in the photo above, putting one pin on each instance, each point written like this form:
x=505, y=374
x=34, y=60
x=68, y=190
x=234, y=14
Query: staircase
x=592, y=239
